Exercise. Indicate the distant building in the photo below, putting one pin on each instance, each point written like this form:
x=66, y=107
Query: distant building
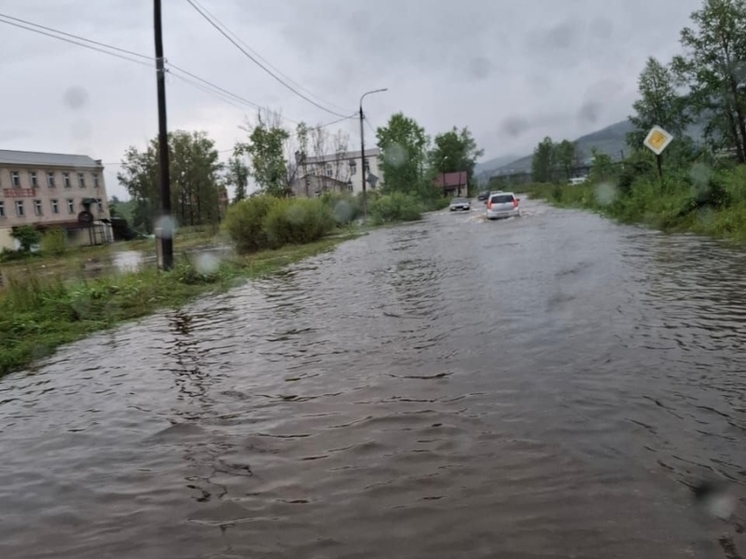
x=52, y=190
x=452, y=184
x=339, y=172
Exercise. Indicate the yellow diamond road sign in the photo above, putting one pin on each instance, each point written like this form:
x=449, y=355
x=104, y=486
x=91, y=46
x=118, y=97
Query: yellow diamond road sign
x=657, y=140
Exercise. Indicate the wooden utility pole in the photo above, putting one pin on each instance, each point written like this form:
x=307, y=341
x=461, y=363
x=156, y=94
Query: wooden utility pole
x=165, y=233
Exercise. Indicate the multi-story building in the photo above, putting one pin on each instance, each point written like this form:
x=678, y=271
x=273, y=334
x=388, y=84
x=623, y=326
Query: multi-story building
x=52, y=190
x=337, y=172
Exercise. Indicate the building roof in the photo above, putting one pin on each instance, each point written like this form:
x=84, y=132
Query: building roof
x=373, y=152
x=40, y=159
x=458, y=178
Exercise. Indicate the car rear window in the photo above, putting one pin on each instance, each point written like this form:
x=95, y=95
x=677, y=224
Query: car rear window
x=502, y=199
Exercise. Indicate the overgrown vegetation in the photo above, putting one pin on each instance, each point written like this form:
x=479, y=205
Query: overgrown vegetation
x=692, y=186
x=38, y=315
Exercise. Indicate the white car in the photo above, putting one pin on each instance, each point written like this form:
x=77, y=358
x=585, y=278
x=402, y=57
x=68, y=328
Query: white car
x=502, y=204
x=460, y=204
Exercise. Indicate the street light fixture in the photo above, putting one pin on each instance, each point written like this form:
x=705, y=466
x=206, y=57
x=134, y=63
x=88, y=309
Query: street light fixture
x=362, y=148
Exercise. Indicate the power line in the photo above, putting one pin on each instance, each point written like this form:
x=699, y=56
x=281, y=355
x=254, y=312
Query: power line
x=80, y=44
x=226, y=96
x=265, y=61
x=91, y=41
x=258, y=63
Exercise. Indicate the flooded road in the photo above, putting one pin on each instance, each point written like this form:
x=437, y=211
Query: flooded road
x=549, y=386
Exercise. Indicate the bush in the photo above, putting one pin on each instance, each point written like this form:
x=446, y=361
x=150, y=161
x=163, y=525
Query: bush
x=344, y=208
x=244, y=222
x=53, y=243
x=297, y=222
x=395, y=207
x=27, y=236
x=437, y=203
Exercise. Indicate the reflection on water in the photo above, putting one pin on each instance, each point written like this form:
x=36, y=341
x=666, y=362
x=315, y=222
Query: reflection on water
x=551, y=386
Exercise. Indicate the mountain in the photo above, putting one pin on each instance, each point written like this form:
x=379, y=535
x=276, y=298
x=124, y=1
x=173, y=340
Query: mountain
x=611, y=140
x=495, y=163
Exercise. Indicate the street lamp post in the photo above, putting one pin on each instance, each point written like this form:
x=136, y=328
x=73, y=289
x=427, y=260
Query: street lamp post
x=362, y=150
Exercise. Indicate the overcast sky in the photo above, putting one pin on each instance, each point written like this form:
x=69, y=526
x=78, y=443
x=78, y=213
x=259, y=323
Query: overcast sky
x=512, y=71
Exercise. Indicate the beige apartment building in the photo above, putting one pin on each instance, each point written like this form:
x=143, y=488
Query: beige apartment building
x=52, y=190
x=336, y=172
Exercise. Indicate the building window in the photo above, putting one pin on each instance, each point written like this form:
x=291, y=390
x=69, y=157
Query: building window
x=66, y=179
x=329, y=170
x=20, y=210
x=367, y=165
x=70, y=206
x=37, y=207
x=55, y=207
x=349, y=187
x=15, y=179
x=2, y=208
x=100, y=206
x=353, y=167
x=95, y=180
x=50, y=179
x=81, y=180
x=34, y=181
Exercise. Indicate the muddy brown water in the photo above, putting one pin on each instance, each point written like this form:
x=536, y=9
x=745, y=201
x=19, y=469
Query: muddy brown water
x=549, y=386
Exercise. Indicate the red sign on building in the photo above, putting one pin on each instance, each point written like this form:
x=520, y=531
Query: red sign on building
x=19, y=192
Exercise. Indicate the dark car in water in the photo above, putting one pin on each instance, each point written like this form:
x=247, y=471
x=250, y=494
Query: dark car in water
x=482, y=196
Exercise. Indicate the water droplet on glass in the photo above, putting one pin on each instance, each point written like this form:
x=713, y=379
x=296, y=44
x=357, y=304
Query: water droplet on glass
x=75, y=97
x=700, y=175
x=605, y=194
x=167, y=225
x=207, y=263
x=396, y=155
x=343, y=212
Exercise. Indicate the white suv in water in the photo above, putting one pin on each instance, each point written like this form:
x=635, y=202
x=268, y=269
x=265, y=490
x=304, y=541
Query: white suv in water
x=502, y=204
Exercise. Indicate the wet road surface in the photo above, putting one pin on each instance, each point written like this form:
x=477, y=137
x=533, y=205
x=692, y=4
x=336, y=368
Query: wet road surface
x=549, y=386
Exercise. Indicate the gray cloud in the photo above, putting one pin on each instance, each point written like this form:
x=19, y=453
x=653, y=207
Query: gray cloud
x=512, y=72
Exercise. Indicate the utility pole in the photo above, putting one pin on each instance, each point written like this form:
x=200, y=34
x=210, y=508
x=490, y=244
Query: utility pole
x=165, y=235
x=362, y=162
x=362, y=151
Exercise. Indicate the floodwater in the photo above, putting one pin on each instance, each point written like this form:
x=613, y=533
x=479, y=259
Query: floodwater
x=543, y=387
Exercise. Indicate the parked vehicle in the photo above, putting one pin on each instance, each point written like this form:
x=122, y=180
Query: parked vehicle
x=460, y=204
x=577, y=180
x=482, y=196
x=502, y=204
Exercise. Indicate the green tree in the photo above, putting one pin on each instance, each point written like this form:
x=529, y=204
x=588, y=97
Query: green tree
x=455, y=150
x=27, y=236
x=713, y=67
x=602, y=167
x=565, y=154
x=659, y=104
x=266, y=150
x=194, y=170
x=237, y=176
x=403, y=146
x=543, y=161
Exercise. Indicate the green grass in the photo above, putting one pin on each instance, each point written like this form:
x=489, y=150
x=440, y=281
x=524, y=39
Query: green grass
x=698, y=199
x=38, y=315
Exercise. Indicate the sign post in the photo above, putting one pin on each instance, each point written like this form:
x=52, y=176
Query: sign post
x=656, y=141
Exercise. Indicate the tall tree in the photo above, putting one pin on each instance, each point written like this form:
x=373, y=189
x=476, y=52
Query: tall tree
x=543, y=161
x=565, y=154
x=455, y=150
x=659, y=104
x=194, y=168
x=266, y=149
x=237, y=175
x=403, y=146
x=713, y=68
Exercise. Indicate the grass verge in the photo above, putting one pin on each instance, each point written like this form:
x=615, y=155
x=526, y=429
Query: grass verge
x=39, y=315
x=699, y=200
